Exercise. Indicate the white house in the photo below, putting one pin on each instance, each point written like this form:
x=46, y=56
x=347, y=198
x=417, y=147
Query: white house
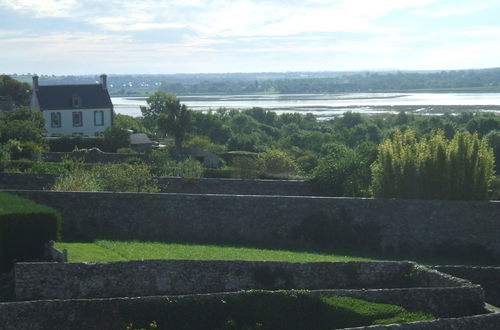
x=74, y=109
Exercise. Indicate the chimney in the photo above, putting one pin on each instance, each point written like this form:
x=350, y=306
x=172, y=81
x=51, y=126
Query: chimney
x=104, y=81
x=35, y=83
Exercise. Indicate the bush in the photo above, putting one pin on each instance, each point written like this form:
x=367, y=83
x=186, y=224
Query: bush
x=433, y=168
x=277, y=163
x=246, y=167
x=115, y=137
x=343, y=172
x=109, y=177
x=68, y=143
x=25, y=227
x=20, y=165
x=189, y=168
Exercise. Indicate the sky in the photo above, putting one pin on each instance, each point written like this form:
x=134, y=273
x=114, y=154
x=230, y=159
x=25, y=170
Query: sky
x=217, y=36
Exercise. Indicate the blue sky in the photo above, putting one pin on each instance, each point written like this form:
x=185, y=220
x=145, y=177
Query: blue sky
x=190, y=36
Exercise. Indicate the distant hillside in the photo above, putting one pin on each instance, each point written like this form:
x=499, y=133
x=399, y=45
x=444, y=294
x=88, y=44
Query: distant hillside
x=484, y=80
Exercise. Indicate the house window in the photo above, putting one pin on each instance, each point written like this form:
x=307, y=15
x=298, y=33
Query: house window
x=55, y=119
x=77, y=101
x=98, y=118
x=77, y=119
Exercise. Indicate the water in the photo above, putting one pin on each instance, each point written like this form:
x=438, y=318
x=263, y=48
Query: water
x=325, y=106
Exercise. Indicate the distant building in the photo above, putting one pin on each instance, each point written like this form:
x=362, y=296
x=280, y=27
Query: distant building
x=74, y=109
x=140, y=142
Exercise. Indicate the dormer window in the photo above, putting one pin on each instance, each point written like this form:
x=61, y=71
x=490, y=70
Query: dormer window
x=77, y=101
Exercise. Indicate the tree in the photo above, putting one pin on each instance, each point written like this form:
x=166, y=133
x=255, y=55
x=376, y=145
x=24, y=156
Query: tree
x=116, y=137
x=434, y=167
x=170, y=116
x=13, y=93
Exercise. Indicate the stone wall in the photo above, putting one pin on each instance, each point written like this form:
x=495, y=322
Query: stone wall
x=27, y=181
x=236, y=186
x=178, y=185
x=111, y=313
x=402, y=283
x=162, y=277
x=91, y=157
x=390, y=225
x=487, y=277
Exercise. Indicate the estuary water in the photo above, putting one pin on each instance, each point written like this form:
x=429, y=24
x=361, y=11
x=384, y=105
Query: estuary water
x=326, y=106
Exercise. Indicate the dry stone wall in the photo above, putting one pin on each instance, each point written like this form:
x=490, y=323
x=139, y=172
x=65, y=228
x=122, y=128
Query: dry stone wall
x=178, y=185
x=111, y=313
x=162, y=277
x=390, y=225
x=487, y=277
x=402, y=283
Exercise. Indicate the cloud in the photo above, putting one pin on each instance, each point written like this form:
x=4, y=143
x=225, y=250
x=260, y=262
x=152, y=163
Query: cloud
x=45, y=8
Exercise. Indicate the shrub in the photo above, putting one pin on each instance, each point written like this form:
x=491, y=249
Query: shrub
x=246, y=167
x=68, y=143
x=343, y=172
x=189, y=168
x=277, y=163
x=25, y=227
x=109, y=177
x=433, y=168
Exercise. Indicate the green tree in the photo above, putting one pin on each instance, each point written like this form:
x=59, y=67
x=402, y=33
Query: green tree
x=13, y=93
x=172, y=117
x=116, y=137
x=278, y=163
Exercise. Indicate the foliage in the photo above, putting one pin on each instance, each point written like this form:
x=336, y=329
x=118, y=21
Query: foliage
x=494, y=141
x=115, y=137
x=169, y=115
x=204, y=143
x=245, y=167
x=108, y=177
x=130, y=123
x=68, y=143
x=342, y=172
x=433, y=168
x=13, y=93
x=278, y=163
x=189, y=168
x=22, y=133
x=257, y=309
x=25, y=227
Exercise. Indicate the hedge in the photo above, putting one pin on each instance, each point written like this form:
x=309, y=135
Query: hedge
x=25, y=227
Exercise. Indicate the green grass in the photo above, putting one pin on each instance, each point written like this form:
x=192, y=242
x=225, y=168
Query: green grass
x=108, y=251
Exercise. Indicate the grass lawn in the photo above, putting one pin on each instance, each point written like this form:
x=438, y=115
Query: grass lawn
x=108, y=251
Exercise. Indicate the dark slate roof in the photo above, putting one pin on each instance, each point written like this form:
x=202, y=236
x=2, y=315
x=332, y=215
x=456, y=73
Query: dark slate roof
x=139, y=138
x=58, y=97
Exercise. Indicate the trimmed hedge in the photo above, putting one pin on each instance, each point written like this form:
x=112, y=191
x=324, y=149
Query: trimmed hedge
x=25, y=227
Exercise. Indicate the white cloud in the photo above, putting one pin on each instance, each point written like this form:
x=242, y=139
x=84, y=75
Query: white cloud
x=43, y=8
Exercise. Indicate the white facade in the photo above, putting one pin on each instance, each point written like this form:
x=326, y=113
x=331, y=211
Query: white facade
x=84, y=109
x=90, y=123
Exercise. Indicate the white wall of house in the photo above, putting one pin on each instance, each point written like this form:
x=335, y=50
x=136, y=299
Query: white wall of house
x=88, y=125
